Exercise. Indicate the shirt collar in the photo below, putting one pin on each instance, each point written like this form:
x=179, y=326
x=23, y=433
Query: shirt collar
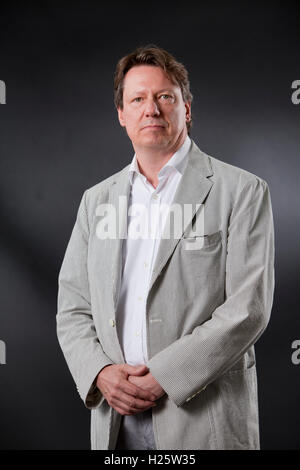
x=178, y=162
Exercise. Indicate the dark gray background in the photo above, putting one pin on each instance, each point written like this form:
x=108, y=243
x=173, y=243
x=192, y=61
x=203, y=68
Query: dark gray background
x=59, y=135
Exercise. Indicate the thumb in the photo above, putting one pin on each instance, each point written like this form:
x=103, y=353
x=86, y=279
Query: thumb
x=136, y=370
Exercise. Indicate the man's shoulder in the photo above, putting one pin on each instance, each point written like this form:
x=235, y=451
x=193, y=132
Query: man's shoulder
x=231, y=175
x=103, y=186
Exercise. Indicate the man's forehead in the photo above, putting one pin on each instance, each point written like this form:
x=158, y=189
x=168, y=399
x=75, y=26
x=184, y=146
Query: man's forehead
x=144, y=77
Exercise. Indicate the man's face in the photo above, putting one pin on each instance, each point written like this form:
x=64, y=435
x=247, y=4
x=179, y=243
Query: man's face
x=154, y=113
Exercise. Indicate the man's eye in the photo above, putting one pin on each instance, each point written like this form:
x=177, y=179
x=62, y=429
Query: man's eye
x=138, y=99
x=166, y=97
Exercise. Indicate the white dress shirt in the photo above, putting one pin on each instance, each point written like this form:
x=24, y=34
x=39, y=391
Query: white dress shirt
x=136, y=431
x=139, y=253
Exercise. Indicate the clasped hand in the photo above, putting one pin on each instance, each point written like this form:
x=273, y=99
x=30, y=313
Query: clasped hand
x=129, y=389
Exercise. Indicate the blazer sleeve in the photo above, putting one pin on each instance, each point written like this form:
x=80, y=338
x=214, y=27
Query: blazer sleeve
x=188, y=365
x=75, y=326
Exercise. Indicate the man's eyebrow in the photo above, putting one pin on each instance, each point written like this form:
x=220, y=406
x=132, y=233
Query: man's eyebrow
x=165, y=89
x=141, y=91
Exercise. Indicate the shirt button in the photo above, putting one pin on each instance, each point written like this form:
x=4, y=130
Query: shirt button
x=112, y=322
x=140, y=298
x=146, y=264
x=137, y=333
x=155, y=196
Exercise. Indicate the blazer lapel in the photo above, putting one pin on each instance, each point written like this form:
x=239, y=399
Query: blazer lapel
x=119, y=193
x=192, y=189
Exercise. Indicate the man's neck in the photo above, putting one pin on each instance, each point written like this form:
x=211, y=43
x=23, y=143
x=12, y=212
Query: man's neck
x=151, y=160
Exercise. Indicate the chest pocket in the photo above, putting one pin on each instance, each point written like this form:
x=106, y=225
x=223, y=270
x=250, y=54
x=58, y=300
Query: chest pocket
x=201, y=242
x=202, y=262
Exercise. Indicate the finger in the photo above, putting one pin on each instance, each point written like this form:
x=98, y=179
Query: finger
x=125, y=413
x=120, y=410
x=137, y=392
x=133, y=402
x=138, y=411
x=130, y=392
x=127, y=407
x=136, y=370
x=145, y=394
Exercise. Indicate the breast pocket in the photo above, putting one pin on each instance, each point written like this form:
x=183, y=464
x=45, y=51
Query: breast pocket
x=199, y=242
x=202, y=262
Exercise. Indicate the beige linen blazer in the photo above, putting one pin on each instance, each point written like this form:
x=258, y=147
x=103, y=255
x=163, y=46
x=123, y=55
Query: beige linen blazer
x=205, y=309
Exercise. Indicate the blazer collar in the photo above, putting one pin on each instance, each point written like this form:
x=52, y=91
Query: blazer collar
x=178, y=162
x=199, y=161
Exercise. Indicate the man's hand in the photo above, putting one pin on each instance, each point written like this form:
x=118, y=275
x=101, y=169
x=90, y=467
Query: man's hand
x=148, y=382
x=125, y=397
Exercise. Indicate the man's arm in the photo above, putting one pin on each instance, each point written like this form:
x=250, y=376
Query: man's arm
x=189, y=364
x=78, y=338
x=75, y=326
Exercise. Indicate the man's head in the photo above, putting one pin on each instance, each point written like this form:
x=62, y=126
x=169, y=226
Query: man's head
x=153, y=98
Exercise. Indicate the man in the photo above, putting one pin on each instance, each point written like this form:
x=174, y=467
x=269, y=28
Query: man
x=159, y=330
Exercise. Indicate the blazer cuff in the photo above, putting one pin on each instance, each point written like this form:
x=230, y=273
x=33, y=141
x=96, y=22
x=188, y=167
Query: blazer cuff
x=169, y=380
x=88, y=391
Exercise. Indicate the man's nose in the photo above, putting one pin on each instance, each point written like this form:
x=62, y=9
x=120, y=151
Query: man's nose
x=152, y=108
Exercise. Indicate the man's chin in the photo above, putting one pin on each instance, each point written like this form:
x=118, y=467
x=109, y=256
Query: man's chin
x=157, y=143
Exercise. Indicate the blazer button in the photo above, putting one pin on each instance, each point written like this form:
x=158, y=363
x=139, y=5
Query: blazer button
x=112, y=322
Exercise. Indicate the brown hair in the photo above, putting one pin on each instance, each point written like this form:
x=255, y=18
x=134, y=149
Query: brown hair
x=152, y=55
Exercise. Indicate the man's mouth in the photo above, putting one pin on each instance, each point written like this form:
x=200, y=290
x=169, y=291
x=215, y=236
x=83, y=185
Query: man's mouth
x=156, y=126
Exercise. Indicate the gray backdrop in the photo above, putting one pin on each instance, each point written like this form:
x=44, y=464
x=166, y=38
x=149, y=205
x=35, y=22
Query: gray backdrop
x=59, y=135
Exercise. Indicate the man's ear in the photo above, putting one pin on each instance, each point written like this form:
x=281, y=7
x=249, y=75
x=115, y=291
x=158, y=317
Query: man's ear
x=188, y=111
x=121, y=117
